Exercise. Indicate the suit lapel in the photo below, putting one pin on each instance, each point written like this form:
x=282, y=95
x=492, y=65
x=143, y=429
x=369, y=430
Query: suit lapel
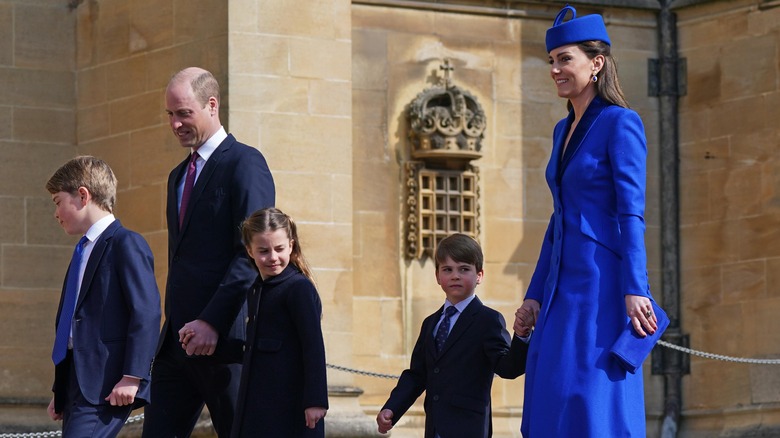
x=462, y=325
x=173, y=210
x=94, y=260
x=427, y=330
x=204, y=177
x=580, y=132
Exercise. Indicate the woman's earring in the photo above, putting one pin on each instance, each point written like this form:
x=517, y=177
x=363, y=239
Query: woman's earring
x=594, y=78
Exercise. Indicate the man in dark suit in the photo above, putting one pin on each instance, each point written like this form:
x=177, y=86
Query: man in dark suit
x=460, y=347
x=210, y=193
x=109, y=313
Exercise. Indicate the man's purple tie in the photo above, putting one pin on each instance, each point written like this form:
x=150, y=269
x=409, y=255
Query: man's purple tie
x=444, y=328
x=68, y=305
x=188, y=183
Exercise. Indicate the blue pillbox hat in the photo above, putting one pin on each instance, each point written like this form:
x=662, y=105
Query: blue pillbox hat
x=576, y=30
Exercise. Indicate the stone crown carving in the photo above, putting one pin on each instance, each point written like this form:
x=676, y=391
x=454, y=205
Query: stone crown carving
x=447, y=126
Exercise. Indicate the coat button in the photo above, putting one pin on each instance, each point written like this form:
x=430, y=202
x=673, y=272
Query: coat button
x=435, y=371
x=435, y=398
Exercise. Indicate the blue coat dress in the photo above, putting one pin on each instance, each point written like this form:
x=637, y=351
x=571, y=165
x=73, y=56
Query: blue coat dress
x=593, y=254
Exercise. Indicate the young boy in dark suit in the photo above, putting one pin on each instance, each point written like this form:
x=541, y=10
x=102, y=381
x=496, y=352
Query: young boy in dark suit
x=108, y=320
x=460, y=347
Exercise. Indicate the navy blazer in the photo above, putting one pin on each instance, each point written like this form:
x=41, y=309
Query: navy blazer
x=457, y=381
x=208, y=269
x=117, y=317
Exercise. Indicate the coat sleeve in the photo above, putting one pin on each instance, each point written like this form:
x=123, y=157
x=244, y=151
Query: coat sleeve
x=135, y=264
x=306, y=310
x=507, y=357
x=538, y=279
x=252, y=189
x=413, y=380
x=627, y=150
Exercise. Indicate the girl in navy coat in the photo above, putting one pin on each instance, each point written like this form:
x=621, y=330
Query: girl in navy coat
x=591, y=278
x=283, y=392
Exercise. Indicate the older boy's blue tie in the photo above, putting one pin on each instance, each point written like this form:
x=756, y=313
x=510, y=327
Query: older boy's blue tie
x=444, y=328
x=189, y=182
x=68, y=305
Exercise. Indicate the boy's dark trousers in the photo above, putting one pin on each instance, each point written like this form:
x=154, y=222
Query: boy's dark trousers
x=81, y=418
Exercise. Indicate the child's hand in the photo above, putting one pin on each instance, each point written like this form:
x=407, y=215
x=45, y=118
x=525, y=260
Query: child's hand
x=384, y=420
x=53, y=415
x=525, y=317
x=198, y=338
x=313, y=415
x=124, y=392
x=185, y=336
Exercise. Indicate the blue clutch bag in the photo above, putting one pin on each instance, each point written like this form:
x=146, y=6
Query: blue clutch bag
x=630, y=349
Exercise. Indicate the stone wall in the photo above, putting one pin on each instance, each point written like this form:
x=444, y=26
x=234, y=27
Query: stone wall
x=730, y=214
x=37, y=134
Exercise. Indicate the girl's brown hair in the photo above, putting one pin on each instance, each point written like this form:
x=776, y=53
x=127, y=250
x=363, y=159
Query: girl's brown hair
x=272, y=219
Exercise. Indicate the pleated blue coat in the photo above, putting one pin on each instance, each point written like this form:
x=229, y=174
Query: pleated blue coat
x=593, y=254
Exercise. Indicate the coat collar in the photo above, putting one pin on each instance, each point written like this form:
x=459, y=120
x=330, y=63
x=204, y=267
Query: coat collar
x=461, y=326
x=94, y=258
x=197, y=190
x=584, y=126
x=288, y=272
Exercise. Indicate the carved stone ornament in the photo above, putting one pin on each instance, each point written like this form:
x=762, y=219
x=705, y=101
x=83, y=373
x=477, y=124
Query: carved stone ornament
x=447, y=125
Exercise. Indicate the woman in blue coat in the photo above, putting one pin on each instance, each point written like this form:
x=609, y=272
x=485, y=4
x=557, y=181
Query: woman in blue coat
x=591, y=277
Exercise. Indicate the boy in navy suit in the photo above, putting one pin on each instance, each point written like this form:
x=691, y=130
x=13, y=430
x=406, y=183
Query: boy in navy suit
x=109, y=314
x=460, y=347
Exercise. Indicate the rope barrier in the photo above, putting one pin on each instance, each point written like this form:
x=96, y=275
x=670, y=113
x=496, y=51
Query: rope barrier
x=718, y=356
x=140, y=417
x=362, y=373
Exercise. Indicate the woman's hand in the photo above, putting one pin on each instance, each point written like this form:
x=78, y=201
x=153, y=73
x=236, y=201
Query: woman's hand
x=525, y=317
x=640, y=310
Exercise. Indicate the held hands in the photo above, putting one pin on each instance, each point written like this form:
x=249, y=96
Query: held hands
x=384, y=420
x=525, y=317
x=124, y=392
x=640, y=310
x=199, y=338
x=313, y=415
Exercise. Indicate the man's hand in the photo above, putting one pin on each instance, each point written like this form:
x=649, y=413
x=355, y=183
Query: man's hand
x=198, y=338
x=124, y=392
